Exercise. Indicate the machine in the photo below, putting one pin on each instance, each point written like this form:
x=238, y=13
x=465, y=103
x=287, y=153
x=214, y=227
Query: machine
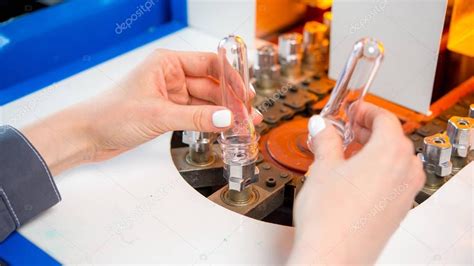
x=206, y=198
x=292, y=83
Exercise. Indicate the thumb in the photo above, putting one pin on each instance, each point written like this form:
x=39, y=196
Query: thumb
x=326, y=143
x=205, y=118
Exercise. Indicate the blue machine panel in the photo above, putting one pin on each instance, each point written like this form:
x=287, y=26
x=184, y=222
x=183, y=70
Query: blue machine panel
x=51, y=44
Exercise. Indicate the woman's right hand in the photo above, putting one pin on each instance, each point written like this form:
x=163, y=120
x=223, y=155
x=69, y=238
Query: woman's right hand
x=348, y=208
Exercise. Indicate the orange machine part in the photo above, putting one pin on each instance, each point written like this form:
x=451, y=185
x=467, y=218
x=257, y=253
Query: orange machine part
x=287, y=145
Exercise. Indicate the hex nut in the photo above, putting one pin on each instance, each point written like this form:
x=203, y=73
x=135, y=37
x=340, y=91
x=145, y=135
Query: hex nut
x=437, y=154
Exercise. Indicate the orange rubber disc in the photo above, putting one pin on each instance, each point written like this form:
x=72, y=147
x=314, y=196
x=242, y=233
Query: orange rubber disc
x=286, y=144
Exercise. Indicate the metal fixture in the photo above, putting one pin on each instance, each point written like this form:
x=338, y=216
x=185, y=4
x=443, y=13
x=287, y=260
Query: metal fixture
x=352, y=85
x=436, y=158
x=283, y=156
x=315, y=47
x=290, y=54
x=239, y=143
x=199, y=163
x=200, y=147
x=459, y=130
x=266, y=69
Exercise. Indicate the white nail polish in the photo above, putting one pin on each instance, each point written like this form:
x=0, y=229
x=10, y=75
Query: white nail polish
x=222, y=118
x=316, y=124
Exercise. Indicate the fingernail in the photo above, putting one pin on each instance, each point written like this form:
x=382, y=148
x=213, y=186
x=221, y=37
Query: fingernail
x=316, y=124
x=222, y=118
x=256, y=111
x=252, y=88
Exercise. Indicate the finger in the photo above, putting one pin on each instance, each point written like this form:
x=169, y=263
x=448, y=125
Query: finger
x=197, y=101
x=326, y=143
x=361, y=134
x=198, y=64
x=256, y=116
x=206, y=91
x=204, y=88
x=378, y=121
x=418, y=175
x=204, y=64
x=204, y=118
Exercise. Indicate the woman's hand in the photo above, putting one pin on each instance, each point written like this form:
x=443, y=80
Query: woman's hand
x=169, y=91
x=348, y=208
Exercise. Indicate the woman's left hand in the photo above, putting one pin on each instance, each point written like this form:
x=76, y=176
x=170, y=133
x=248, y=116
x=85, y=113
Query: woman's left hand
x=169, y=91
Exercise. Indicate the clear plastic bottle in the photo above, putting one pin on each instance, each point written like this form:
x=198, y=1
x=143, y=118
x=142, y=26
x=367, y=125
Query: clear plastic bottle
x=352, y=85
x=239, y=143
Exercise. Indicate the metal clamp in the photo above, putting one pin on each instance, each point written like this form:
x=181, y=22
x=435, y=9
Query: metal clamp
x=239, y=177
x=200, y=147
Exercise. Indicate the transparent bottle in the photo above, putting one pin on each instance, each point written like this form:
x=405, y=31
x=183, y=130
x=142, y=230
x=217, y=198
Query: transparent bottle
x=239, y=143
x=352, y=85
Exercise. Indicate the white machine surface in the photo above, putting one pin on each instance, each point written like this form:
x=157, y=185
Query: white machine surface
x=411, y=32
x=136, y=208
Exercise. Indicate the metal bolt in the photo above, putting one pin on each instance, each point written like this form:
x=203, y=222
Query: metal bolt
x=437, y=154
x=459, y=130
x=266, y=166
x=289, y=47
x=290, y=53
x=313, y=34
x=266, y=57
x=266, y=69
x=270, y=182
x=284, y=175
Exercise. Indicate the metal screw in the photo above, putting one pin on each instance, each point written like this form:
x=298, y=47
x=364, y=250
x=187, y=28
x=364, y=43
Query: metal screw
x=266, y=166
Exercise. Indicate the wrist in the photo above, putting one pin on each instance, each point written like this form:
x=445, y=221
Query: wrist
x=63, y=139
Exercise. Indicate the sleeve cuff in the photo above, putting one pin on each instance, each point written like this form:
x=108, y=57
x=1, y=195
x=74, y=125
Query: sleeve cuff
x=26, y=185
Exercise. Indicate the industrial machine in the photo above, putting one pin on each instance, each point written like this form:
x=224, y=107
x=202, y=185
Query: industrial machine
x=206, y=198
x=291, y=82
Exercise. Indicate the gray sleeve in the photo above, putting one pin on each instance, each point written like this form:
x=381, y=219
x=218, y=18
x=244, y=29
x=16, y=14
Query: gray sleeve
x=26, y=185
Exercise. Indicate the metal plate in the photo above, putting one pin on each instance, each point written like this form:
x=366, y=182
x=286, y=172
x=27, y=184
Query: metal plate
x=276, y=113
x=319, y=86
x=298, y=98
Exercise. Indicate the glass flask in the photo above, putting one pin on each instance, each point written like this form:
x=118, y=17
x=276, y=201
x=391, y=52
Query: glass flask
x=239, y=143
x=352, y=85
